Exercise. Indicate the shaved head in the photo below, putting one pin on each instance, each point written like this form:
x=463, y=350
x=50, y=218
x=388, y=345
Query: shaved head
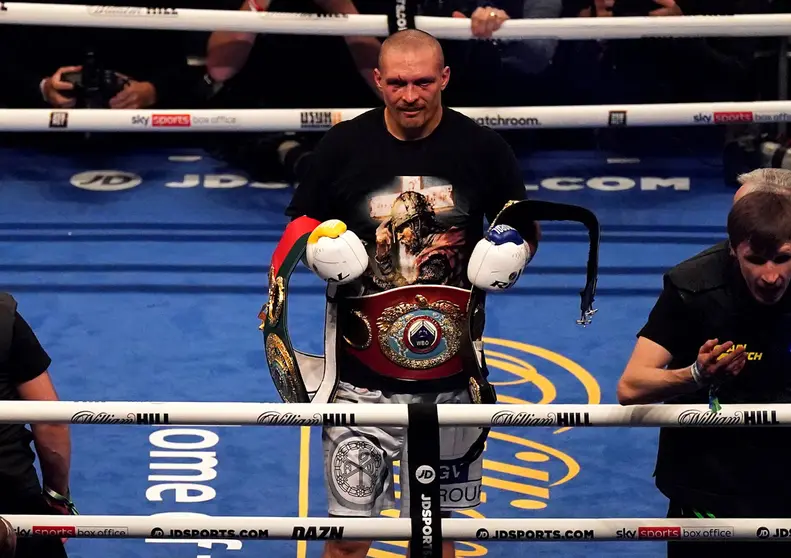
x=411, y=40
x=411, y=76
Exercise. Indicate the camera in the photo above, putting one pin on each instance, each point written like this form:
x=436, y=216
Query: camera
x=94, y=85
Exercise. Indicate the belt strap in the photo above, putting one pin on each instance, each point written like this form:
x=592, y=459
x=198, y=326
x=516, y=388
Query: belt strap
x=519, y=213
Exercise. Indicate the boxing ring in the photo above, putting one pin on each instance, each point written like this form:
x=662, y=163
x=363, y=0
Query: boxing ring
x=189, y=526
x=421, y=529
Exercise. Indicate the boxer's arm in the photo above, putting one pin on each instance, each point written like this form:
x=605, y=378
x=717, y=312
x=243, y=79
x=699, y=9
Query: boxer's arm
x=228, y=51
x=29, y=363
x=508, y=184
x=315, y=195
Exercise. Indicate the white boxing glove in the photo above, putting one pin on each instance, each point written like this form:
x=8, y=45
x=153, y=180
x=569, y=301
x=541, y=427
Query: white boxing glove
x=336, y=254
x=498, y=259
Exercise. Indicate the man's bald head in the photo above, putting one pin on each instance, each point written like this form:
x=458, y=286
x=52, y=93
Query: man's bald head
x=411, y=40
x=411, y=76
x=764, y=180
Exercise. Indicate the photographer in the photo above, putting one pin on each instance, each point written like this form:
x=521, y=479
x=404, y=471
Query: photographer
x=677, y=70
x=67, y=67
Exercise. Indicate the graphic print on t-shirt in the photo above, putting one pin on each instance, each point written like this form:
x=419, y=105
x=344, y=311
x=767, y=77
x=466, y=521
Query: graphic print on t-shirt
x=413, y=243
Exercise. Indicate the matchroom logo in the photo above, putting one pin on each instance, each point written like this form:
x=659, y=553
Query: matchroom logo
x=518, y=471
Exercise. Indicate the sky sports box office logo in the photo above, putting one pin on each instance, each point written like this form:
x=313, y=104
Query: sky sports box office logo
x=70, y=531
x=670, y=533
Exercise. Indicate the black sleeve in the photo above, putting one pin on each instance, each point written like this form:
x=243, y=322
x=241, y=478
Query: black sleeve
x=27, y=359
x=671, y=324
x=506, y=175
x=313, y=197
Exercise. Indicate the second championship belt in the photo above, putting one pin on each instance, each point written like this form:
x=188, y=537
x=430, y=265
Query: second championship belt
x=299, y=377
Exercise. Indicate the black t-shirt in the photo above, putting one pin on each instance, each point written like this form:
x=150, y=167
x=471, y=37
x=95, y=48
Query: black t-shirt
x=727, y=468
x=674, y=326
x=429, y=196
x=25, y=360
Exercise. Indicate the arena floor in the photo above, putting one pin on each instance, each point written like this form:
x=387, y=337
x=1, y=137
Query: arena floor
x=143, y=275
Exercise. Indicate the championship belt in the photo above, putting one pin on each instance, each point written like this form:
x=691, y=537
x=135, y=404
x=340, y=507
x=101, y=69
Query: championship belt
x=517, y=213
x=408, y=333
x=298, y=377
x=413, y=333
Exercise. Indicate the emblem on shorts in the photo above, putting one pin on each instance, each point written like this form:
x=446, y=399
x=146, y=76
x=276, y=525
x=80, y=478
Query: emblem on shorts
x=282, y=369
x=357, y=466
x=421, y=335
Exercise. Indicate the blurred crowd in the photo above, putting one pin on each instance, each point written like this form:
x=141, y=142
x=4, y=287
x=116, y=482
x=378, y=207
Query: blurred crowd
x=119, y=68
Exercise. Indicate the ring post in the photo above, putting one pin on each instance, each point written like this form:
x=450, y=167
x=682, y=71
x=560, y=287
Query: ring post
x=422, y=445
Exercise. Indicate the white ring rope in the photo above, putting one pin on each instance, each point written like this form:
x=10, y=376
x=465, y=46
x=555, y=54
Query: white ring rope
x=309, y=414
x=183, y=19
x=183, y=526
x=308, y=119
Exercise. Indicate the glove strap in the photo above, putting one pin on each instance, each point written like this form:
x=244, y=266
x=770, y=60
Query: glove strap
x=61, y=499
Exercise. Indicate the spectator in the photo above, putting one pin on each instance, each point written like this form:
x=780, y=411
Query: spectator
x=7, y=539
x=677, y=70
x=497, y=72
x=252, y=71
x=319, y=71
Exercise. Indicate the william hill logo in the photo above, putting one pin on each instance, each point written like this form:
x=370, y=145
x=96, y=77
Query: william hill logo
x=517, y=470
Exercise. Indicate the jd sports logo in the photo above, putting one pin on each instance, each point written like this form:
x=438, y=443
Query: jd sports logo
x=425, y=474
x=428, y=528
x=105, y=180
x=763, y=533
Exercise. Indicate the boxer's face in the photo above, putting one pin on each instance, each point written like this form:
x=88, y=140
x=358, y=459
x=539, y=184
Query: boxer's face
x=411, y=81
x=767, y=275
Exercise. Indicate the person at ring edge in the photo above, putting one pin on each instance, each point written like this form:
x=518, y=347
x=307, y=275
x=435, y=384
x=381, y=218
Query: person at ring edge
x=7, y=539
x=24, y=375
x=722, y=323
x=360, y=161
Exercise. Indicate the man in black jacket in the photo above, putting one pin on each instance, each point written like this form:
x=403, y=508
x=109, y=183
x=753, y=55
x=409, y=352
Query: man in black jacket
x=24, y=376
x=720, y=333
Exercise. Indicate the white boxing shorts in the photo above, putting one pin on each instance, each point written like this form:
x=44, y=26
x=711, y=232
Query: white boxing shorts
x=358, y=460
